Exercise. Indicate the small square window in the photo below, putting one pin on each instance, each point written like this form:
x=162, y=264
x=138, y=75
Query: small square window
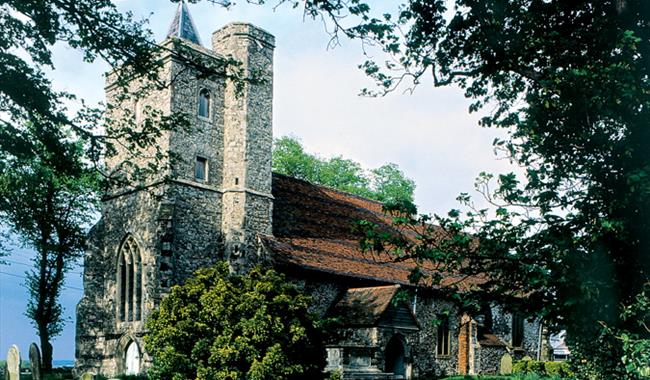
x=201, y=169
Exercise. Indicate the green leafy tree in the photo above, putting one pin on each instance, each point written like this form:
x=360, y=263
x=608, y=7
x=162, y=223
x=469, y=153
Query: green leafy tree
x=50, y=157
x=290, y=158
x=344, y=174
x=390, y=184
x=386, y=183
x=48, y=211
x=220, y=325
x=569, y=82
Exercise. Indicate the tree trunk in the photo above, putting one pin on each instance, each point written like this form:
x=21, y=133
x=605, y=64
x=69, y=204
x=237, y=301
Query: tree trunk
x=46, y=350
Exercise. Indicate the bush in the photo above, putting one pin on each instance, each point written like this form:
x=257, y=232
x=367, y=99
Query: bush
x=552, y=369
x=220, y=326
x=335, y=375
x=520, y=366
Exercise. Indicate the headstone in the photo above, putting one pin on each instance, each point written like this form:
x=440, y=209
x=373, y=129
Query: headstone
x=13, y=363
x=35, y=361
x=87, y=376
x=505, y=367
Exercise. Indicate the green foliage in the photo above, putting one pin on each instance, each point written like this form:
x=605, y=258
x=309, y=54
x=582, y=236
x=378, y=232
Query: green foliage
x=557, y=369
x=49, y=156
x=386, y=183
x=335, y=375
x=529, y=376
x=48, y=208
x=568, y=82
x=225, y=326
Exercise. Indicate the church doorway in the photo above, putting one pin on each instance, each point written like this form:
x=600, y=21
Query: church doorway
x=396, y=357
x=132, y=359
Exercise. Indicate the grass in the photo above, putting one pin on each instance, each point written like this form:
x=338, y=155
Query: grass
x=505, y=377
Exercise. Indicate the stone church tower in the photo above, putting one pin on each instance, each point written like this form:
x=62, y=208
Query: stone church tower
x=212, y=203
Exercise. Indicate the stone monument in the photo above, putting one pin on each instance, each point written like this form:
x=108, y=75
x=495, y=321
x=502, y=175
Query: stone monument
x=505, y=366
x=13, y=364
x=35, y=361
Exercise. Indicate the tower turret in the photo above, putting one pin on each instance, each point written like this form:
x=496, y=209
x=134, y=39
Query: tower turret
x=248, y=139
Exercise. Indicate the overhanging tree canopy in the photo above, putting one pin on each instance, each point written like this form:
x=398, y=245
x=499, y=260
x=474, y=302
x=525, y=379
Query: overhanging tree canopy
x=569, y=81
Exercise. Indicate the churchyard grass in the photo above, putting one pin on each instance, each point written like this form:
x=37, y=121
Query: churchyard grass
x=508, y=377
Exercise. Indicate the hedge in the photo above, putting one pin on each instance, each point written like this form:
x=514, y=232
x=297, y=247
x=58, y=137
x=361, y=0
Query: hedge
x=542, y=368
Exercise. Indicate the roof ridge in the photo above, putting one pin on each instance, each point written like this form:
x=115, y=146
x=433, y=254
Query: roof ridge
x=375, y=287
x=330, y=188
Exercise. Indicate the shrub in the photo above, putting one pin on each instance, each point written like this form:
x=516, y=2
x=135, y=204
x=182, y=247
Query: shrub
x=534, y=367
x=225, y=326
x=335, y=375
x=520, y=366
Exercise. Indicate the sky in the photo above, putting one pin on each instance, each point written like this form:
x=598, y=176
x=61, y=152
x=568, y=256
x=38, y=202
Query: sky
x=428, y=133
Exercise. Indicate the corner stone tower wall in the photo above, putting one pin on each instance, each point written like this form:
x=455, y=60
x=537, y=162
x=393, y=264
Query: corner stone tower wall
x=248, y=139
x=180, y=223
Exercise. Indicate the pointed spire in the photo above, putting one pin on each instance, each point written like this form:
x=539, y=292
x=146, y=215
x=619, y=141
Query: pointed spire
x=183, y=26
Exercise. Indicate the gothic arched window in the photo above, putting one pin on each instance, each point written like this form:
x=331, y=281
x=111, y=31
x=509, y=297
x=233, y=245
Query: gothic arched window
x=204, y=103
x=129, y=281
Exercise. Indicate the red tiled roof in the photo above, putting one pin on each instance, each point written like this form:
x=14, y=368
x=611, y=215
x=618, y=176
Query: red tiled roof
x=364, y=306
x=313, y=229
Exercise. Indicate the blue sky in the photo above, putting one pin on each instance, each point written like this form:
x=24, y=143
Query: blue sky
x=429, y=133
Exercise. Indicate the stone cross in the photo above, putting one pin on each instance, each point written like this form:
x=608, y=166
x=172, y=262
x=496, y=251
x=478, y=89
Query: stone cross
x=35, y=361
x=13, y=364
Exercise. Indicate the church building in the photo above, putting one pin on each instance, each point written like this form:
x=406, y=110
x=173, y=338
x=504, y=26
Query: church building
x=221, y=201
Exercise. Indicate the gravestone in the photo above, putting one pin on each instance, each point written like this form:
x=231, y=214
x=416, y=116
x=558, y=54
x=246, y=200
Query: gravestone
x=35, y=361
x=505, y=367
x=87, y=376
x=13, y=364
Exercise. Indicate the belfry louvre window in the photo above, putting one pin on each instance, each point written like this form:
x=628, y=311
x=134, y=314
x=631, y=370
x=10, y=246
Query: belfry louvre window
x=517, y=330
x=129, y=281
x=204, y=103
x=443, y=343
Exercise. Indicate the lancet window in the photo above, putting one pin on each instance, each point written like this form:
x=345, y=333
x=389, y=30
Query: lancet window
x=444, y=340
x=204, y=103
x=129, y=281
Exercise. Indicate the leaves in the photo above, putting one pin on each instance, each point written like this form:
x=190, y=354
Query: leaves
x=569, y=83
x=385, y=184
x=221, y=325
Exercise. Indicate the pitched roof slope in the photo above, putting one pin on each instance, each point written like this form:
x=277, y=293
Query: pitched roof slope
x=313, y=229
x=364, y=306
x=374, y=306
